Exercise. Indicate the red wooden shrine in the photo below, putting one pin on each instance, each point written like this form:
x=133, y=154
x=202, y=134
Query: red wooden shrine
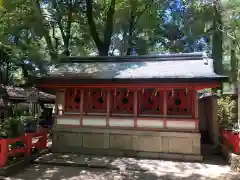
x=150, y=101
x=142, y=104
x=125, y=93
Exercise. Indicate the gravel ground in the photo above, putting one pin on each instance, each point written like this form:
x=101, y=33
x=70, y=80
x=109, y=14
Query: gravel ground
x=167, y=171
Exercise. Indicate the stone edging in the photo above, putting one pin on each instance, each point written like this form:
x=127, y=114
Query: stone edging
x=104, y=165
x=232, y=159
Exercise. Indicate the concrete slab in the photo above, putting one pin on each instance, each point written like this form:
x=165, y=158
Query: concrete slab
x=62, y=159
x=99, y=161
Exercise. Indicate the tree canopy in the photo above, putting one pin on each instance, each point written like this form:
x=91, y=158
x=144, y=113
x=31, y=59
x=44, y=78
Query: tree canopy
x=37, y=33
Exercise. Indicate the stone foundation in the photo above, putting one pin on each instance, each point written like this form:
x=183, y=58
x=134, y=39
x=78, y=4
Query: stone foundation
x=135, y=143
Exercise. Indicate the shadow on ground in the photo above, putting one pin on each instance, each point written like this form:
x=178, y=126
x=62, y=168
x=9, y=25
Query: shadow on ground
x=43, y=172
x=213, y=168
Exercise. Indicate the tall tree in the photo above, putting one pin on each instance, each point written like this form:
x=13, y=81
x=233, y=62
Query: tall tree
x=102, y=43
x=217, y=36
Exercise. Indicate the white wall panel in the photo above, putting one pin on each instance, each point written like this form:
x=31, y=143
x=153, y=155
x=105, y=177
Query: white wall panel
x=150, y=123
x=121, y=122
x=68, y=121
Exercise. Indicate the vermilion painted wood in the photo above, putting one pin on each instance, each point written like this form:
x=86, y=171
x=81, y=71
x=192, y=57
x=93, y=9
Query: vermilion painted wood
x=231, y=139
x=150, y=101
x=134, y=129
x=81, y=107
x=119, y=107
x=27, y=139
x=147, y=101
x=179, y=95
x=195, y=97
x=11, y=141
x=135, y=109
x=193, y=102
x=164, y=108
x=71, y=94
x=97, y=95
x=4, y=152
x=135, y=98
x=108, y=106
x=197, y=86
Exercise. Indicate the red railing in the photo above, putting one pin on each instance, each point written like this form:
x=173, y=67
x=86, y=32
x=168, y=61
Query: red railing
x=29, y=141
x=231, y=138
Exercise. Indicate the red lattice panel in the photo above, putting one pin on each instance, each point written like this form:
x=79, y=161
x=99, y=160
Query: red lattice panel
x=179, y=102
x=98, y=100
x=149, y=101
x=123, y=101
x=72, y=100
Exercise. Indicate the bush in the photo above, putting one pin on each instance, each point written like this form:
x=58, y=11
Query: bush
x=12, y=127
x=227, y=111
x=15, y=125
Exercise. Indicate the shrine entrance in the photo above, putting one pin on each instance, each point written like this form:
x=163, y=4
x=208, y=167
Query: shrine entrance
x=208, y=125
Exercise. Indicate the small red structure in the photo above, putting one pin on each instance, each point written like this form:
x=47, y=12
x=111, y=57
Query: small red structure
x=231, y=140
x=141, y=106
x=37, y=140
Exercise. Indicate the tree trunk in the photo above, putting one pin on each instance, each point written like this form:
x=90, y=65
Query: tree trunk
x=7, y=79
x=40, y=19
x=217, y=37
x=133, y=20
x=233, y=62
x=102, y=45
x=130, y=32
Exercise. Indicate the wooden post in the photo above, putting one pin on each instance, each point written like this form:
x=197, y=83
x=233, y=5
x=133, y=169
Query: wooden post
x=135, y=107
x=238, y=101
x=164, y=108
x=108, y=107
x=196, y=105
x=4, y=152
x=61, y=101
x=88, y=101
x=28, y=144
x=44, y=140
x=81, y=107
x=195, y=108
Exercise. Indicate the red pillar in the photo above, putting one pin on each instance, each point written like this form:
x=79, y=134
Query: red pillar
x=81, y=107
x=44, y=140
x=195, y=108
x=164, y=108
x=28, y=144
x=108, y=106
x=135, y=106
x=4, y=152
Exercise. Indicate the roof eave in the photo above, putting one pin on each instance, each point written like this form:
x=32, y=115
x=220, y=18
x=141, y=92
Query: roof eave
x=142, y=58
x=60, y=80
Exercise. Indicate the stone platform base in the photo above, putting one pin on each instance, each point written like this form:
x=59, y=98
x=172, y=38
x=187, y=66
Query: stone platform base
x=130, y=143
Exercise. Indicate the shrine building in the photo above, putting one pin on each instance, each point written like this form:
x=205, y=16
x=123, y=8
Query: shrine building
x=139, y=106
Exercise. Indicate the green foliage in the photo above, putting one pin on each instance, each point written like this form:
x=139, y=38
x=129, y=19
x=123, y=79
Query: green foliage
x=41, y=33
x=227, y=111
x=12, y=127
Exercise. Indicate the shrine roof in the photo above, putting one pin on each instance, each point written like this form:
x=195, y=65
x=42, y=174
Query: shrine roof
x=18, y=93
x=3, y=103
x=160, y=67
